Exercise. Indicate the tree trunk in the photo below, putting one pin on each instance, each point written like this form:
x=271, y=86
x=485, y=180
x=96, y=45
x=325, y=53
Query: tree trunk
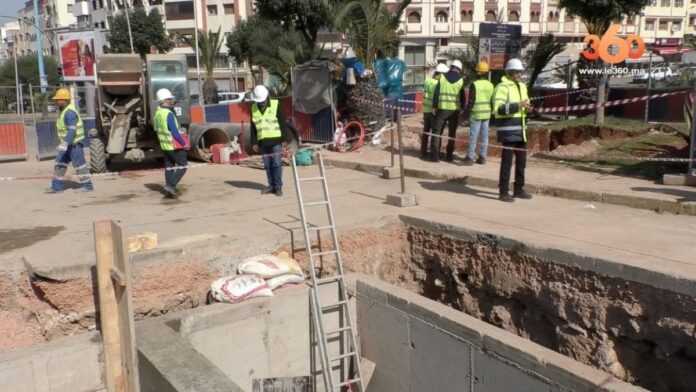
x=601, y=98
x=210, y=91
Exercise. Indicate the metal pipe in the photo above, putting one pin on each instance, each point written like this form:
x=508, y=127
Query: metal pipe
x=198, y=61
x=33, y=108
x=401, y=150
x=14, y=56
x=391, y=137
x=39, y=50
x=130, y=32
x=647, y=100
x=692, y=149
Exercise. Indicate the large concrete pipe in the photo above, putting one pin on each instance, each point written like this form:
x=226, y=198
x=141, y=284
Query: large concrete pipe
x=203, y=136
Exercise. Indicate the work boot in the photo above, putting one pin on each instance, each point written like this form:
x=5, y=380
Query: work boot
x=468, y=162
x=504, y=196
x=268, y=190
x=279, y=192
x=169, y=192
x=522, y=194
x=481, y=161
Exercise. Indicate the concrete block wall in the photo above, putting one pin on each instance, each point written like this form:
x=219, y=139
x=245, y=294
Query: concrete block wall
x=72, y=364
x=421, y=345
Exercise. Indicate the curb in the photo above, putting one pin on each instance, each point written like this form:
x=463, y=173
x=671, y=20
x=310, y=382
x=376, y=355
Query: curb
x=644, y=203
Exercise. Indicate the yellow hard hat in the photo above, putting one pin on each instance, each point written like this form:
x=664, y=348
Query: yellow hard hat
x=482, y=67
x=62, y=94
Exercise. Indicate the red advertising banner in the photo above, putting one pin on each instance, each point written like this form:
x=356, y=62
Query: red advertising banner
x=77, y=55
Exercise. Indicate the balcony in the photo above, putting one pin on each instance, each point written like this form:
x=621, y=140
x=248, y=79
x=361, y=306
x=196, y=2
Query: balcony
x=466, y=27
x=553, y=27
x=569, y=27
x=535, y=27
x=414, y=27
x=441, y=27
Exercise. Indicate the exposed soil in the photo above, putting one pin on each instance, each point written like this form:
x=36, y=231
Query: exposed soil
x=33, y=310
x=11, y=239
x=638, y=333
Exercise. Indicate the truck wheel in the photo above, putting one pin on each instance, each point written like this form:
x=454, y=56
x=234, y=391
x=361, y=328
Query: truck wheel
x=97, y=155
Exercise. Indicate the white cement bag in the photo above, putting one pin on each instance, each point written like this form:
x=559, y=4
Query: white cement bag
x=238, y=288
x=282, y=280
x=269, y=266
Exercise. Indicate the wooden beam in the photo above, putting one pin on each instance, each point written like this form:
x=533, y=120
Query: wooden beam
x=115, y=304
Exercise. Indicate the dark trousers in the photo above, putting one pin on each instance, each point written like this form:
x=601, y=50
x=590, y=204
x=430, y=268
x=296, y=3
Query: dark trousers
x=506, y=165
x=273, y=163
x=75, y=154
x=452, y=118
x=172, y=159
x=425, y=138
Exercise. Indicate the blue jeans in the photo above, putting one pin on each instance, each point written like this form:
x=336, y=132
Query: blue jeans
x=476, y=126
x=273, y=163
x=76, y=155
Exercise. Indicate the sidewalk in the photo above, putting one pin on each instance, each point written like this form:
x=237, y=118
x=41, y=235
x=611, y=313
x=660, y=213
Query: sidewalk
x=542, y=178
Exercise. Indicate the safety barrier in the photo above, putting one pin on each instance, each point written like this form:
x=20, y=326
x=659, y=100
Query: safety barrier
x=12, y=141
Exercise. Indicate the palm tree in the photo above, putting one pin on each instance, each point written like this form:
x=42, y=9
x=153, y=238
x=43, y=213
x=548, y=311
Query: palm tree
x=371, y=26
x=545, y=48
x=209, y=44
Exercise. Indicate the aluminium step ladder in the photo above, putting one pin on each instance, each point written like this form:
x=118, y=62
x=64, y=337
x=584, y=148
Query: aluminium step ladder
x=349, y=356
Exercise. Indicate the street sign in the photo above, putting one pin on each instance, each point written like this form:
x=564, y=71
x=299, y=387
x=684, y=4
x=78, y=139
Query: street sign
x=498, y=43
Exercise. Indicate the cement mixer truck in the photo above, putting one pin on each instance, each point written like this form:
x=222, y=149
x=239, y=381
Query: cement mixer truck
x=126, y=88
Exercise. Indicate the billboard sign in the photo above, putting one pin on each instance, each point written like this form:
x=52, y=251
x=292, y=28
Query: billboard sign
x=498, y=43
x=78, y=51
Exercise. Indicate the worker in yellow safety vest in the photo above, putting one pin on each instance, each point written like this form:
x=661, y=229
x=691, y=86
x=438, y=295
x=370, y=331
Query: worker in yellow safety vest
x=480, y=96
x=510, y=107
x=71, y=132
x=268, y=130
x=172, y=142
x=448, y=101
x=428, y=93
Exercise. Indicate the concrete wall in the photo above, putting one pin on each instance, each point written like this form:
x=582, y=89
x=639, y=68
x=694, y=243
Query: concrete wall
x=72, y=364
x=421, y=345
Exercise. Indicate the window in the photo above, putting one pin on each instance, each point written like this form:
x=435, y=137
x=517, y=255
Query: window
x=534, y=17
x=514, y=16
x=180, y=10
x=94, y=4
x=467, y=16
x=676, y=25
x=103, y=25
x=678, y=3
x=653, y=3
x=414, y=17
x=229, y=9
x=554, y=16
x=630, y=20
x=444, y=41
x=70, y=8
x=665, y=3
x=212, y=10
x=101, y=4
x=441, y=17
x=491, y=16
x=664, y=25
x=96, y=25
x=650, y=25
x=415, y=61
x=692, y=20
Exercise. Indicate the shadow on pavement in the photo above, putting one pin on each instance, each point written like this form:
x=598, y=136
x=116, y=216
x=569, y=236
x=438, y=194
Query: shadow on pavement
x=457, y=186
x=246, y=185
x=685, y=196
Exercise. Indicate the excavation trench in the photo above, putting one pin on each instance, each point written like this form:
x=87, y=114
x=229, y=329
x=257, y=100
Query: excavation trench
x=636, y=332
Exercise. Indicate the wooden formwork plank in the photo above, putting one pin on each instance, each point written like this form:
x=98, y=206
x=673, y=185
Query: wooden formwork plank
x=115, y=308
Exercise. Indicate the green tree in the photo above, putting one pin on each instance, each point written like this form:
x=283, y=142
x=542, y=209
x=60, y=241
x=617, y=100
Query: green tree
x=598, y=15
x=469, y=58
x=306, y=17
x=148, y=31
x=544, y=49
x=690, y=41
x=28, y=71
x=371, y=26
x=209, y=45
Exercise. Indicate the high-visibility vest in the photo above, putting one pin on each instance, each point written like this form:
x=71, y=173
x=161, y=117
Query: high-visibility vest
x=510, y=127
x=266, y=123
x=481, y=109
x=429, y=94
x=449, y=94
x=165, y=137
x=63, y=129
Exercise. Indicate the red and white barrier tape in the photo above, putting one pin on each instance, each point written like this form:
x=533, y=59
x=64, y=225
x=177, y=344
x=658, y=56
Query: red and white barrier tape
x=617, y=102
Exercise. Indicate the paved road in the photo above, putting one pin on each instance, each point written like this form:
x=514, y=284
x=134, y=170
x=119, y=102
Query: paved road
x=225, y=200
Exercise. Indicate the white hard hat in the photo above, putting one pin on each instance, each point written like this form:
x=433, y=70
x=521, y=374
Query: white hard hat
x=441, y=68
x=260, y=94
x=350, y=53
x=163, y=94
x=457, y=64
x=514, y=65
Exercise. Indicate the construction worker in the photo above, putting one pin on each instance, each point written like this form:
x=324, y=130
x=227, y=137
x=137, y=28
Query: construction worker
x=510, y=107
x=71, y=132
x=448, y=99
x=428, y=92
x=172, y=142
x=480, y=96
x=268, y=129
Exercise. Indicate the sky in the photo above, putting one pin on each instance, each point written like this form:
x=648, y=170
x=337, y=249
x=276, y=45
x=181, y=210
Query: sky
x=10, y=8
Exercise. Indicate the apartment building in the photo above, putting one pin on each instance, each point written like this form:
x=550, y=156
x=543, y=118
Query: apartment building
x=54, y=16
x=432, y=27
x=8, y=36
x=180, y=21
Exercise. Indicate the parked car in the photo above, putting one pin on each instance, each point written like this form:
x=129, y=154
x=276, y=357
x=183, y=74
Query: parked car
x=659, y=73
x=230, y=97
